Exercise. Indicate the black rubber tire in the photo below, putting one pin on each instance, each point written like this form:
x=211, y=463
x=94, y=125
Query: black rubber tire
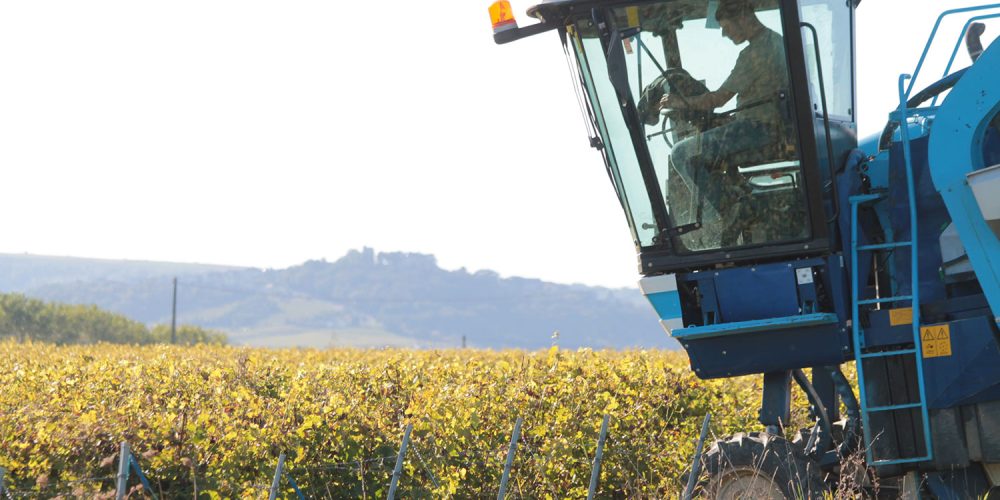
x=839, y=432
x=760, y=465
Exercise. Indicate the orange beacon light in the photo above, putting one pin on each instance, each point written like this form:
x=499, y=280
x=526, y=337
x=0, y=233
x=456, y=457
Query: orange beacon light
x=505, y=27
x=502, y=16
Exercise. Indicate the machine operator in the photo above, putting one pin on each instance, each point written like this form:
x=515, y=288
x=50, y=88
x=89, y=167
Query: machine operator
x=757, y=132
x=759, y=75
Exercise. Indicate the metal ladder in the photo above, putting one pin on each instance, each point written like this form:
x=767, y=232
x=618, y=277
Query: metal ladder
x=860, y=354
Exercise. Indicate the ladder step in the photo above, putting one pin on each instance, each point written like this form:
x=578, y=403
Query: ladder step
x=883, y=246
x=913, y=300
x=885, y=299
x=894, y=407
x=883, y=354
x=887, y=461
x=860, y=199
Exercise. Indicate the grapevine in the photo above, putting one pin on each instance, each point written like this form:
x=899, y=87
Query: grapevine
x=213, y=419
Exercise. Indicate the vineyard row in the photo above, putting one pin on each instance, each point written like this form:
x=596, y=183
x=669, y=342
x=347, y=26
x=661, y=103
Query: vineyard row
x=128, y=462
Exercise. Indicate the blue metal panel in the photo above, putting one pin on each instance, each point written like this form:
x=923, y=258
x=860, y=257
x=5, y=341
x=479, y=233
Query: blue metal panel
x=880, y=331
x=710, y=311
x=991, y=147
x=972, y=368
x=775, y=337
x=767, y=351
x=834, y=277
x=956, y=149
x=776, y=399
x=759, y=325
x=739, y=291
x=666, y=304
x=933, y=219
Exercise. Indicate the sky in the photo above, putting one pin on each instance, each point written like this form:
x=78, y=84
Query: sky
x=267, y=133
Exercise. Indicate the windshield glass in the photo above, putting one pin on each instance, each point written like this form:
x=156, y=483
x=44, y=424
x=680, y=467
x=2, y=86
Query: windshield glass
x=832, y=21
x=696, y=118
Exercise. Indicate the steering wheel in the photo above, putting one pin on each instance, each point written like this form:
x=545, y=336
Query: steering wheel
x=677, y=82
x=680, y=83
x=664, y=131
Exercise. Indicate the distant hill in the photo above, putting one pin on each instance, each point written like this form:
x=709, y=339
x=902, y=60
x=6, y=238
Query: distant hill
x=25, y=272
x=369, y=299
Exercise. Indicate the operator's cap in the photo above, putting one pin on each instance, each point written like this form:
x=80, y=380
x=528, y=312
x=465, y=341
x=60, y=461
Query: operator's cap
x=502, y=16
x=728, y=9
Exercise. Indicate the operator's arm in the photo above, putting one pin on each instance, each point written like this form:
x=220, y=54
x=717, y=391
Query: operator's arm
x=704, y=102
x=738, y=79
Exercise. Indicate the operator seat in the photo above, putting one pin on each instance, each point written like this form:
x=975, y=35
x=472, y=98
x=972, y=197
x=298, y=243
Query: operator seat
x=748, y=212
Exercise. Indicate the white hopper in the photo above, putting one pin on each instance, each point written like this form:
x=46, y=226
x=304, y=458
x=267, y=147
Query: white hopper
x=985, y=186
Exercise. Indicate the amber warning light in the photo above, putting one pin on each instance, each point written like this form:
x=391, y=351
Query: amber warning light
x=502, y=16
x=505, y=28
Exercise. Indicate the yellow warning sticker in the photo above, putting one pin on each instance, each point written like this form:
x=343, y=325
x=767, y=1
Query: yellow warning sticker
x=632, y=15
x=901, y=316
x=936, y=341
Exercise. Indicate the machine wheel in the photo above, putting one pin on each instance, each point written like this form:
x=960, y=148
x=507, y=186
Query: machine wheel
x=760, y=466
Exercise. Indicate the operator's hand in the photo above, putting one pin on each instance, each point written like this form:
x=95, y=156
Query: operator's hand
x=668, y=101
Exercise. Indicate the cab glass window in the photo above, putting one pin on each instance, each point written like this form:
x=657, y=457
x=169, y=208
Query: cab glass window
x=708, y=102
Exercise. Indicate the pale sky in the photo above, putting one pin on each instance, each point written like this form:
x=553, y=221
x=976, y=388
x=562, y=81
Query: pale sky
x=267, y=133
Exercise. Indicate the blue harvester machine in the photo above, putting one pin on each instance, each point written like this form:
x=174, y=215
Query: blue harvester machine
x=772, y=240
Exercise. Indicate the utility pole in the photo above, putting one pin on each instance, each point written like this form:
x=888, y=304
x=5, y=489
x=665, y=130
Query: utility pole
x=173, y=316
x=463, y=341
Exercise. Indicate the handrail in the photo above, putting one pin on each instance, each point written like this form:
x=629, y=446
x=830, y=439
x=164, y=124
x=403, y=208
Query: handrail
x=930, y=39
x=958, y=45
x=826, y=125
x=904, y=133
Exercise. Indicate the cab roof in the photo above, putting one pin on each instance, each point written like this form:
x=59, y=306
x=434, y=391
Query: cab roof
x=557, y=11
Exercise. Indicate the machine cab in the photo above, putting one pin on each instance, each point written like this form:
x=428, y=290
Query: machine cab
x=711, y=118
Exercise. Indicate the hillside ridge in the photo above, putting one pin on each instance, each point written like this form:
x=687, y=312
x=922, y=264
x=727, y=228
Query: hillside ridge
x=366, y=299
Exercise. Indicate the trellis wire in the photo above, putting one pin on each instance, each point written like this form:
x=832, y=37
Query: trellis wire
x=423, y=465
x=128, y=461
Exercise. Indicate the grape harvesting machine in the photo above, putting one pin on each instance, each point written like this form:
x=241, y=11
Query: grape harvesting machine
x=772, y=240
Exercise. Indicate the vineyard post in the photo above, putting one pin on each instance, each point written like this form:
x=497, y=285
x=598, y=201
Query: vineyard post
x=399, y=462
x=277, y=477
x=123, y=460
x=595, y=473
x=173, y=316
x=3, y=476
x=511, y=451
x=696, y=464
